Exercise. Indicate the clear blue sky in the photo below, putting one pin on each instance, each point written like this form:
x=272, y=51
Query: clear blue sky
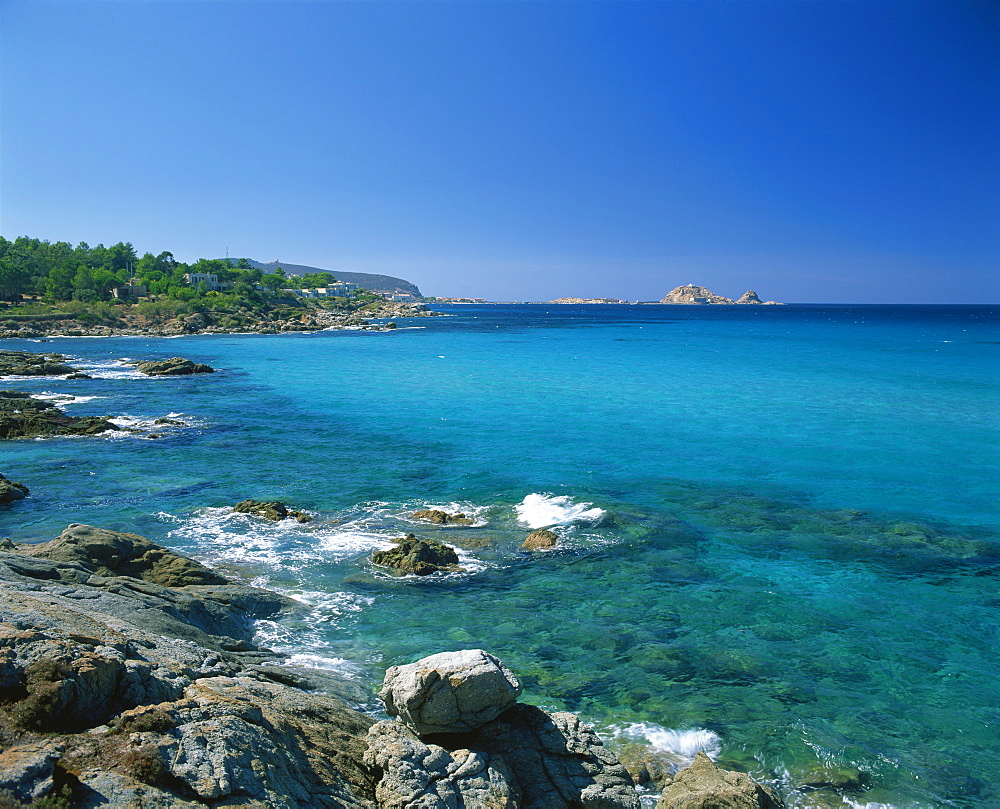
x=815, y=151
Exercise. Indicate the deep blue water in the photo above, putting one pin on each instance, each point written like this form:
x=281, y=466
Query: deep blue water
x=779, y=525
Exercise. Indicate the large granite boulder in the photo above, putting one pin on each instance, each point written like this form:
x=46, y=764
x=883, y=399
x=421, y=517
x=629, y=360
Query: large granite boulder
x=271, y=510
x=460, y=739
x=11, y=491
x=412, y=773
x=173, y=366
x=557, y=760
x=24, y=416
x=703, y=785
x=419, y=556
x=451, y=692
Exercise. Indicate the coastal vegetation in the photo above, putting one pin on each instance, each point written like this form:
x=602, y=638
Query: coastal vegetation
x=54, y=287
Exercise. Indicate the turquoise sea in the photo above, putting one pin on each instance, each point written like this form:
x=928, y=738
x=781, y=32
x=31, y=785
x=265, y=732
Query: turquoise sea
x=780, y=537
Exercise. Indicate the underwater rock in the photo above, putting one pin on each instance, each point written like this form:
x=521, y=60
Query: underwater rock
x=24, y=416
x=173, y=366
x=271, y=510
x=450, y=692
x=703, y=785
x=543, y=538
x=439, y=517
x=11, y=491
x=419, y=556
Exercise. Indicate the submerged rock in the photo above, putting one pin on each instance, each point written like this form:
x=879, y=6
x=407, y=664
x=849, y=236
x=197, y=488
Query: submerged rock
x=419, y=556
x=703, y=785
x=11, y=491
x=451, y=692
x=24, y=416
x=271, y=510
x=543, y=538
x=439, y=517
x=173, y=366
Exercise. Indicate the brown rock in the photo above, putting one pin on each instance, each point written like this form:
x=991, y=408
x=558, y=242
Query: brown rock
x=439, y=517
x=419, y=556
x=113, y=553
x=704, y=786
x=543, y=538
x=11, y=491
x=271, y=510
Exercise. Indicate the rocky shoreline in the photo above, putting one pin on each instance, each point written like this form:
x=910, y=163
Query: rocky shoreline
x=129, y=322
x=129, y=678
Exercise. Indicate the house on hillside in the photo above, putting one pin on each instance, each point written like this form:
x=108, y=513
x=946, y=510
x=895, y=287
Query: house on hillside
x=338, y=289
x=209, y=279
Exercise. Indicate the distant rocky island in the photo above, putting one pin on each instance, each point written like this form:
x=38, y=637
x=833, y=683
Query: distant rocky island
x=694, y=294
x=687, y=294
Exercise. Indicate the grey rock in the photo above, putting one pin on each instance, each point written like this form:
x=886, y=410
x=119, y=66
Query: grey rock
x=415, y=774
x=26, y=770
x=703, y=785
x=557, y=760
x=451, y=692
x=154, y=712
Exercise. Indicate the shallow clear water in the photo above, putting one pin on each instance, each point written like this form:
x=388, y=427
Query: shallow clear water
x=780, y=537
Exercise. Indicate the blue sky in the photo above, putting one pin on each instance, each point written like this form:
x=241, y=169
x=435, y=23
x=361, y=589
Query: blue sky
x=815, y=151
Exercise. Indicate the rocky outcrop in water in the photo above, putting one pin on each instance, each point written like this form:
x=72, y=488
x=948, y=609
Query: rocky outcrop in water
x=117, y=690
x=694, y=294
x=418, y=556
x=24, y=416
x=27, y=363
x=462, y=740
x=271, y=510
x=703, y=785
x=540, y=540
x=11, y=491
x=173, y=366
x=439, y=517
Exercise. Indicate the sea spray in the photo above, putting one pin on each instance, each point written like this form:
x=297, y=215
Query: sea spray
x=544, y=511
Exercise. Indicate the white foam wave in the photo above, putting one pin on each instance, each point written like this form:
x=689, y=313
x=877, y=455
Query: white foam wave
x=63, y=399
x=109, y=369
x=543, y=510
x=683, y=744
x=474, y=512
